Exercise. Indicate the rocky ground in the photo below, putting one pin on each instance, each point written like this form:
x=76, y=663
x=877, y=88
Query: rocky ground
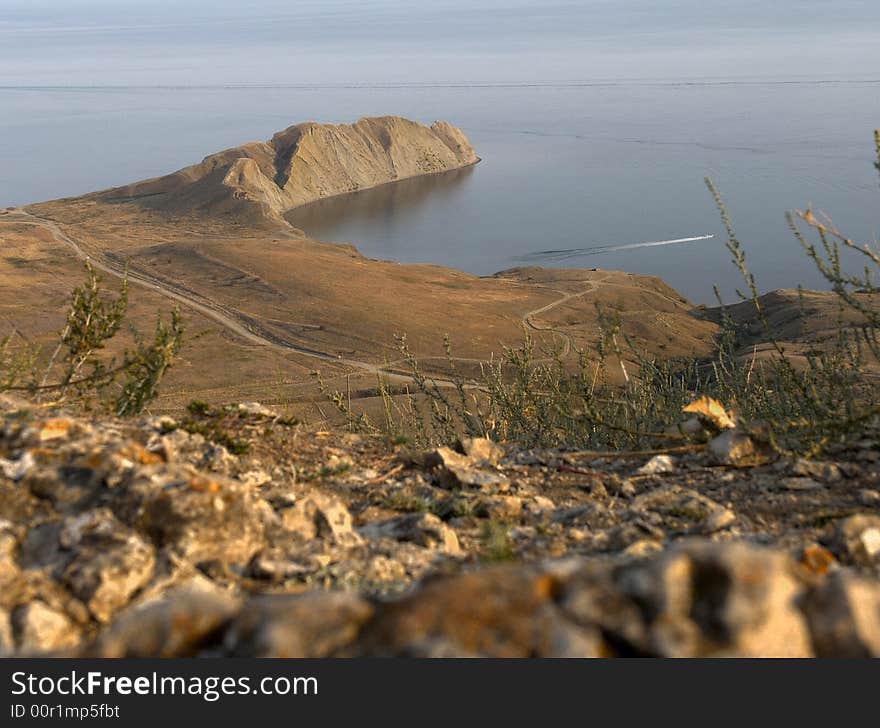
x=239, y=532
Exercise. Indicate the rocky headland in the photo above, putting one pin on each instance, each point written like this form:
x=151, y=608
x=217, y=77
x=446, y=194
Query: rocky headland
x=301, y=164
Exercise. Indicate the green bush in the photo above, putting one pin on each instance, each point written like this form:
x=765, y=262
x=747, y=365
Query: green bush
x=77, y=372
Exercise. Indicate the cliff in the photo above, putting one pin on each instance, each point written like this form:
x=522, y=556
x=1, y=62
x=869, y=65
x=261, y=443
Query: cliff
x=301, y=164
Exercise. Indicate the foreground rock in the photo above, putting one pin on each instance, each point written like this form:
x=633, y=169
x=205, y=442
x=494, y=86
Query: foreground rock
x=698, y=600
x=139, y=538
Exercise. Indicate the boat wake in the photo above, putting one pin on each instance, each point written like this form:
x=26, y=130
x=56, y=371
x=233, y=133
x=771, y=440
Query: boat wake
x=599, y=249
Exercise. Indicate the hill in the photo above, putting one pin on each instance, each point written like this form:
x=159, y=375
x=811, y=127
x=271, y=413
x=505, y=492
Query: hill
x=270, y=304
x=301, y=164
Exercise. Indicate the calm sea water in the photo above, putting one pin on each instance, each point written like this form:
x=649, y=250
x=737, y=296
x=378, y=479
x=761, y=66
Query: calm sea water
x=596, y=121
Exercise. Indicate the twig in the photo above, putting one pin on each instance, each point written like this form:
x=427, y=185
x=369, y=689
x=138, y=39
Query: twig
x=390, y=474
x=580, y=471
x=636, y=453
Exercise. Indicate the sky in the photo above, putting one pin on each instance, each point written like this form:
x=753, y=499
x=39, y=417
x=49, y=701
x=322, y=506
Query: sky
x=218, y=42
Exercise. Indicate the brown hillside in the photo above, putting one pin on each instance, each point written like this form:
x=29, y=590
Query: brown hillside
x=212, y=239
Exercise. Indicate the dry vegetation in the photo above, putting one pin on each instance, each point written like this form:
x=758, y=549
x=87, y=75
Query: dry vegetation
x=589, y=359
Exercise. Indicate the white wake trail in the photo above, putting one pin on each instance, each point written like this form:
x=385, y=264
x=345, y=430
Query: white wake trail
x=599, y=249
x=655, y=243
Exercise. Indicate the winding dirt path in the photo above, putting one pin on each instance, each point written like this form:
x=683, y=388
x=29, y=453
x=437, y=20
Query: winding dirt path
x=566, y=338
x=248, y=329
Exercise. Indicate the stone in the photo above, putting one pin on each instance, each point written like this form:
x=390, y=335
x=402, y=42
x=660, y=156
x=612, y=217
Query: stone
x=17, y=469
x=449, y=617
x=716, y=521
x=276, y=567
x=643, y=548
x=255, y=409
x=382, y=569
x=57, y=428
x=734, y=447
x=321, y=515
x=111, y=562
x=858, y=539
x=177, y=624
x=7, y=642
x=588, y=596
x=816, y=469
x=9, y=539
x=204, y=518
x=454, y=470
x=844, y=616
x=691, y=511
x=620, y=488
x=800, y=483
x=500, y=507
x=40, y=628
x=714, y=600
x=572, y=516
x=658, y=465
x=692, y=428
x=481, y=450
x=423, y=529
x=817, y=560
x=622, y=537
x=538, y=504
x=73, y=490
x=318, y=624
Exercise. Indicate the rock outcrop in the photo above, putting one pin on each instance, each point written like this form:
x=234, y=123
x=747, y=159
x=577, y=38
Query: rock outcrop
x=144, y=538
x=301, y=164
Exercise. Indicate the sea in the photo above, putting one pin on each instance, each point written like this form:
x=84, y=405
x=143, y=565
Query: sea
x=596, y=122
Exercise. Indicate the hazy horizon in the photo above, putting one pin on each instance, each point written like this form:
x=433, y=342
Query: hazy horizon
x=124, y=42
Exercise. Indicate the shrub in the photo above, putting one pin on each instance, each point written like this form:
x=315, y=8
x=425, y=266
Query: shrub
x=77, y=373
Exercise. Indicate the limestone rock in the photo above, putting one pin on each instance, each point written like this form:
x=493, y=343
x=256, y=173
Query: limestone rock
x=424, y=529
x=40, y=628
x=321, y=515
x=7, y=642
x=858, y=539
x=111, y=562
x=446, y=617
x=481, y=450
x=690, y=511
x=504, y=507
x=310, y=625
x=800, y=483
x=844, y=616
x=454, y=470
x=709, y=599
x=657, y=465
x=204, y=518
x=734, y=447
x=174, y=625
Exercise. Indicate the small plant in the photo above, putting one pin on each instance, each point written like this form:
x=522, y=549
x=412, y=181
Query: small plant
x=77, y=373
x=497, y=544
x=209, y=422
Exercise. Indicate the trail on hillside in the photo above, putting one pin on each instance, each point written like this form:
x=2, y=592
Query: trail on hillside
x=566, y=338
x=248, y=329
